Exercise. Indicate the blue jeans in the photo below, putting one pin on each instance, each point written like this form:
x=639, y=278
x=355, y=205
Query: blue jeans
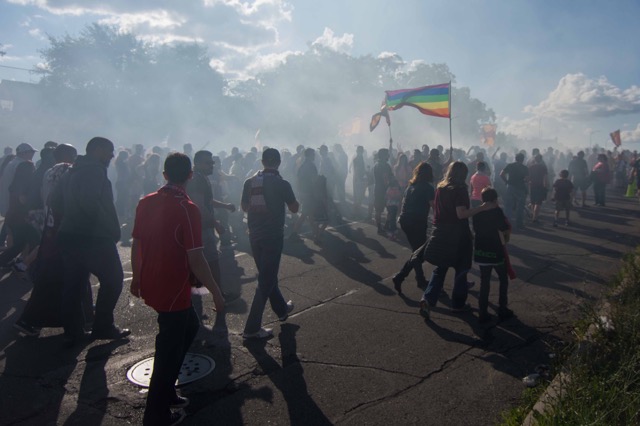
x=266, y=253
x=485, y=280
x=176, y=333
x=514, y=204
x=460, y=287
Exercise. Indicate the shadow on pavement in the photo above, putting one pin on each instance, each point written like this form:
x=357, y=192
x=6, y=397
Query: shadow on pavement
x=93, y=394
x=289, y=378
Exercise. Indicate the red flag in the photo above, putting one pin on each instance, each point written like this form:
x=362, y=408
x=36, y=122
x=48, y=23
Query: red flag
x=615, y=138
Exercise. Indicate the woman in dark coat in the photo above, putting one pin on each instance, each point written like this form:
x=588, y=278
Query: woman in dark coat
x=414, y=220
x=451, y=244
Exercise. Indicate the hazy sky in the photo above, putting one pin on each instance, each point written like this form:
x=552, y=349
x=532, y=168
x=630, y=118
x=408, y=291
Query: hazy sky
x=566, y=68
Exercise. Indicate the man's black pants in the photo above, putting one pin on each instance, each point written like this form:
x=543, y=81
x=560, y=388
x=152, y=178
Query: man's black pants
x=177, y=330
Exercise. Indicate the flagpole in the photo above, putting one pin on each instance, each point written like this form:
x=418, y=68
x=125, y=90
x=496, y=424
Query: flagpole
x=450, y=132
x=390, y=140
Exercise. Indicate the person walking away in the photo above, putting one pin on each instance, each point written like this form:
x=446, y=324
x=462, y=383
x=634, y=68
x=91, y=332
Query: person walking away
x=435, y=162
x=563, y=194
x=88, y=234
x=24, y=236
x=166, y=252
x=402, y=171
x=579, y=176
x=307, y=175
x=382, y=174
x=342, y=168
x=35, y=203
x=516, y=176
x=498, y=183
x=200, y=192
x=492, y=231
x=393, y=198
x=601, y=176
x=479, y=181
x=359, y=173
x=414, y=221
x=450, y=244
x=263, y=198
x=538, y=185
x=47, y=270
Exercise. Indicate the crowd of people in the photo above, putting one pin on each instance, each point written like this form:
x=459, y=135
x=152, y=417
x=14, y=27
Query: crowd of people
x=63, y=220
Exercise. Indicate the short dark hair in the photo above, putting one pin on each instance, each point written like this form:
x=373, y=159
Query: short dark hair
x=200, y=156
x=177, y=167
x=481, y=166
x=98, y=143
x=564, y=174
x=64, y=152
x=271, y=157
x=489, y=194
x=519, y=157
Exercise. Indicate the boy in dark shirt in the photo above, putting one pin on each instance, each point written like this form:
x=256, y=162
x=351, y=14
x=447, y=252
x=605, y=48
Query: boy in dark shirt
x=492, y=231
x=563, y=194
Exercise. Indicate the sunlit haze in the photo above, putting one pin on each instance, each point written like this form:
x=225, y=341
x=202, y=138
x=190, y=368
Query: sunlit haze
x=565, y=72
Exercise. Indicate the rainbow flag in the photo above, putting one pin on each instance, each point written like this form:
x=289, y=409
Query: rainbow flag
x=429, y=100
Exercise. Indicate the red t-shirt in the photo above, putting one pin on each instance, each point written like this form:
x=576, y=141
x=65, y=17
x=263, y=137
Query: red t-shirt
x=167, y=225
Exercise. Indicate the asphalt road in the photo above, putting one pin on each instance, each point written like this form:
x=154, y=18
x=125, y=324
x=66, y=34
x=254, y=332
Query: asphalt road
x=352, y=352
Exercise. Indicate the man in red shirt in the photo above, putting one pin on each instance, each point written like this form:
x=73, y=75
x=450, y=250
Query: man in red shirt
x=167, y=257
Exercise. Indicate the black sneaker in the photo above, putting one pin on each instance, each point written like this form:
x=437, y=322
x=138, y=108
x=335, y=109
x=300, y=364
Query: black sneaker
x=505, y=314
x=289, y=310
x=26, y=329
x=179, y=402
x=111, y=333
x=422, y=283
x=397, y=283
x=484, y=318
x=425, y=310
x=464, y=308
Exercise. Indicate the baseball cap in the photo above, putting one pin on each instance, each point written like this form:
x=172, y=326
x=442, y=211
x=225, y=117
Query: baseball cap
x=24, y=147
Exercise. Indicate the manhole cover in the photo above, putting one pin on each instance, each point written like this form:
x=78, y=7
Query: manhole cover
x=194, y=367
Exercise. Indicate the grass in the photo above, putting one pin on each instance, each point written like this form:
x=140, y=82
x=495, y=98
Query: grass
x=604, y=385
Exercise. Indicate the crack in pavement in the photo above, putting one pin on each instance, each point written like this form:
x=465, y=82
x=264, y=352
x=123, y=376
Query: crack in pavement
x=357, y=367
x=347, y=415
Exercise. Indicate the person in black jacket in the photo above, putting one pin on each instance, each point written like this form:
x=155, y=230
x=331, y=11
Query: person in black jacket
x=88, y=234
x=414, y=220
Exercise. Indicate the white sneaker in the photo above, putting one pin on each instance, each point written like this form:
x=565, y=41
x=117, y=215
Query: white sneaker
x=263, y=333
x=289, y=310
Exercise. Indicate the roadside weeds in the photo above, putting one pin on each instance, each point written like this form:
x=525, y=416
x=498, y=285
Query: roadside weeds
x=598, y=376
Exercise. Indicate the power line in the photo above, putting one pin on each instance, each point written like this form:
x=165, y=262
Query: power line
x=18, y=68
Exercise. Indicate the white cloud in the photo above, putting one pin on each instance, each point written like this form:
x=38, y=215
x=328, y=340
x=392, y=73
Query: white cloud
x=156, y=19
x=37, y=33
x=578, y=97
x=242, y=35
x=268, y=62
x=342, y=44
x=629, y=136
